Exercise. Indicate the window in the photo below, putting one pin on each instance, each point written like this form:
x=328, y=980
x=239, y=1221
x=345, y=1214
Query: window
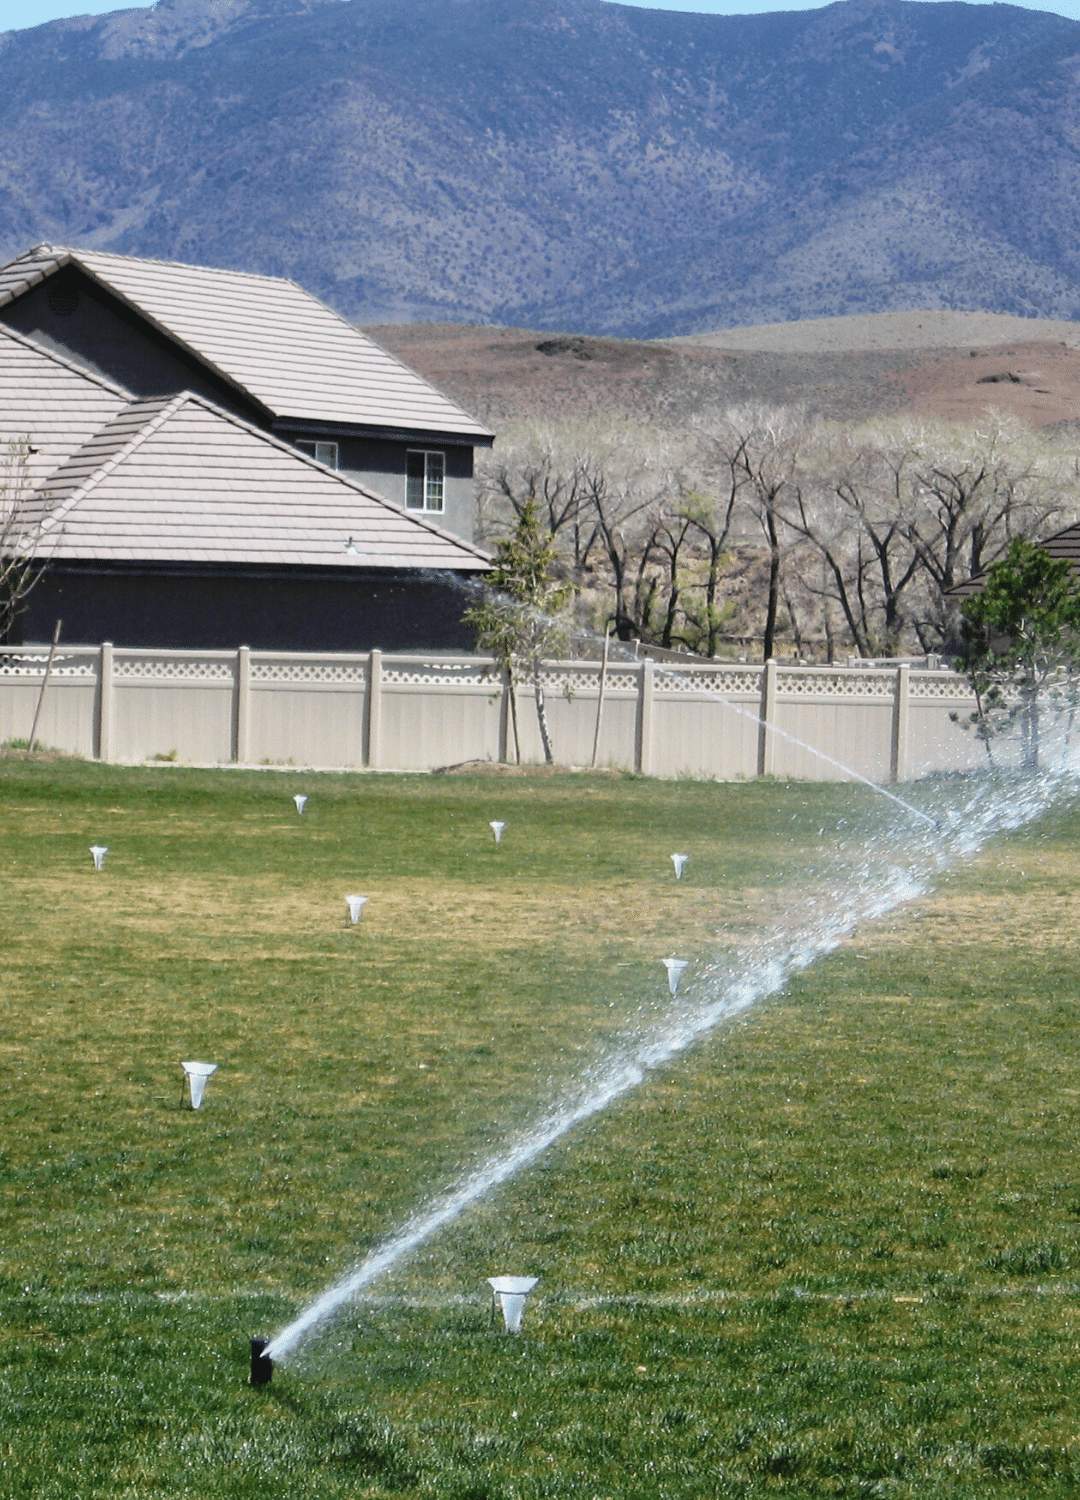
x=425, y=475
x=326, y=453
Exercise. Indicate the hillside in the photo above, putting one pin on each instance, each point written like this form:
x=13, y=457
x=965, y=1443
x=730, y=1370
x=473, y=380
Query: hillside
x=847, y=369
x=564, y=164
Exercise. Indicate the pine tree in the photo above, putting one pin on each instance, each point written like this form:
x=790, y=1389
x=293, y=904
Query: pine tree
x=1021, y=646
x=522, y=618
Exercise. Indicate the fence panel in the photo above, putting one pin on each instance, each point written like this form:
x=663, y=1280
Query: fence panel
x=935, y=742
x=705, y=722
x=173, y=703
x=310, y=710
x=437, y=712
x=69, y=708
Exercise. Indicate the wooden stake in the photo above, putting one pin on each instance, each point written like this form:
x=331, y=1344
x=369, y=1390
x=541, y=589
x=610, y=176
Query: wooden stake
x=44, y=685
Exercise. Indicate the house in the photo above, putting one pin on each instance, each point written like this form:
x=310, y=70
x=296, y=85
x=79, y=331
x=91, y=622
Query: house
x=263, y=348
x=171, y=520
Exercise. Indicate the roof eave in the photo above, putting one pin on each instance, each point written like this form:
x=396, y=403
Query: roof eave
x=449, y=437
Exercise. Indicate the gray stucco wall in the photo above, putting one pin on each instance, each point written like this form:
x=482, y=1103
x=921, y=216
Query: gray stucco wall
x=268, y=610
x=381, y=466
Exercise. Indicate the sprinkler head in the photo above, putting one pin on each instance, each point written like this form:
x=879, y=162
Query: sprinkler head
x=510, y=1292
x=262, y=1368
x=99, y=852
x=497, y=830
x=679, y=861
x=301, y=802
x=356, y=906
x=196, y=1074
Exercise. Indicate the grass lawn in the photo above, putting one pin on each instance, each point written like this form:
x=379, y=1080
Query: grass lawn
x=830, y=1250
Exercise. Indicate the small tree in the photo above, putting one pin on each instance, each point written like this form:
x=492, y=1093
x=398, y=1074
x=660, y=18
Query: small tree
x=521, y=618
x=1021, y=645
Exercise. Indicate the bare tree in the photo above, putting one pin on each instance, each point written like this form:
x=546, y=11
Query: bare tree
x=760, y=447
x=712, y=511
x=847, y=508
x=545, y=468
x=969, y=492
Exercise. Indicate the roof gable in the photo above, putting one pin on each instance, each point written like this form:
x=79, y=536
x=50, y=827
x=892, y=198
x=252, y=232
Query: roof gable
x=53, y=403
x=174, y=479
x=288, y=351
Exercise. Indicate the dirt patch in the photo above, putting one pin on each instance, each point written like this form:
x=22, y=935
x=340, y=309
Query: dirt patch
x=44, y=754
x=1038, y=382
x=504, y=769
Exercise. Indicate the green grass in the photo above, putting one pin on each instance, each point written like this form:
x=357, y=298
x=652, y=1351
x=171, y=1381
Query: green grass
x=832, y=1250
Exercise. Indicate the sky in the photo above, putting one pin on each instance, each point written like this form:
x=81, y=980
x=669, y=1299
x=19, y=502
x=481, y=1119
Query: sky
x=18, y=13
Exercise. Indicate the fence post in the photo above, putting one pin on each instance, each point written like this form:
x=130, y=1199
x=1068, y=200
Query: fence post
x=898, y=766
x=766, y=740
x=105, y=702
x=643, y=757
x=242, y=718
x=374, y=709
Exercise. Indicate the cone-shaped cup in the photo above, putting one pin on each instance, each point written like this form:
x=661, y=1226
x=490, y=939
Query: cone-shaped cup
x=301, y=802
x=512, y=1292
x=675, y=968
x=679, y=861
x=497, y=830
x=99, y=852
x=197, y=1074
x=356, y=906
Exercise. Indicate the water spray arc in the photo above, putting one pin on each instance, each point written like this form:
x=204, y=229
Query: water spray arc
x=725, y=989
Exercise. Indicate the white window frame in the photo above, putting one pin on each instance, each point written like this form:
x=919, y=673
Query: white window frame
x=323, y=453
x=433, y=480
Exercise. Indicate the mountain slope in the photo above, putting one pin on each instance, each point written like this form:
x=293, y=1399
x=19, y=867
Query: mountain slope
x=563, y=163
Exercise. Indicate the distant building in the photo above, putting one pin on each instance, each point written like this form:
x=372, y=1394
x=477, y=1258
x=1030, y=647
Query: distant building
x=263, y=348
x=172, y=521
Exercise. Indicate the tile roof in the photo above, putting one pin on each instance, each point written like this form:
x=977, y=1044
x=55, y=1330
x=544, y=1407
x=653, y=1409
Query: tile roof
x=266, y=335
x=1063, y=544
x=177, y=479
x=55, y=404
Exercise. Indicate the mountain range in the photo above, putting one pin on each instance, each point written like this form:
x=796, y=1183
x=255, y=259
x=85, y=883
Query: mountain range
x=563, y=164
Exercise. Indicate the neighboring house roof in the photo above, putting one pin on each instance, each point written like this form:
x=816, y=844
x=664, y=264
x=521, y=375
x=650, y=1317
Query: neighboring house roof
x=54, y=404
x=266, y=336
x=1063, y=544
x=175, y=479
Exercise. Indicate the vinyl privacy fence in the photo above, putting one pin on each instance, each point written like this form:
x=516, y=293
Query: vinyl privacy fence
x=421, y=712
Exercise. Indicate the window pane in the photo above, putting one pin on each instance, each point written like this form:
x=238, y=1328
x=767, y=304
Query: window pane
x=326, y=453
x=308, y=448
x=436, y=468
x=414, y=480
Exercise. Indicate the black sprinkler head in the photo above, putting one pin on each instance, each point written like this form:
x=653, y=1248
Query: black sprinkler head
x=262, y=1368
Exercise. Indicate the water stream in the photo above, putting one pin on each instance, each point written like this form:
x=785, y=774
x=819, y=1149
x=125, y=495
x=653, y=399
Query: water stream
x=892, y=859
